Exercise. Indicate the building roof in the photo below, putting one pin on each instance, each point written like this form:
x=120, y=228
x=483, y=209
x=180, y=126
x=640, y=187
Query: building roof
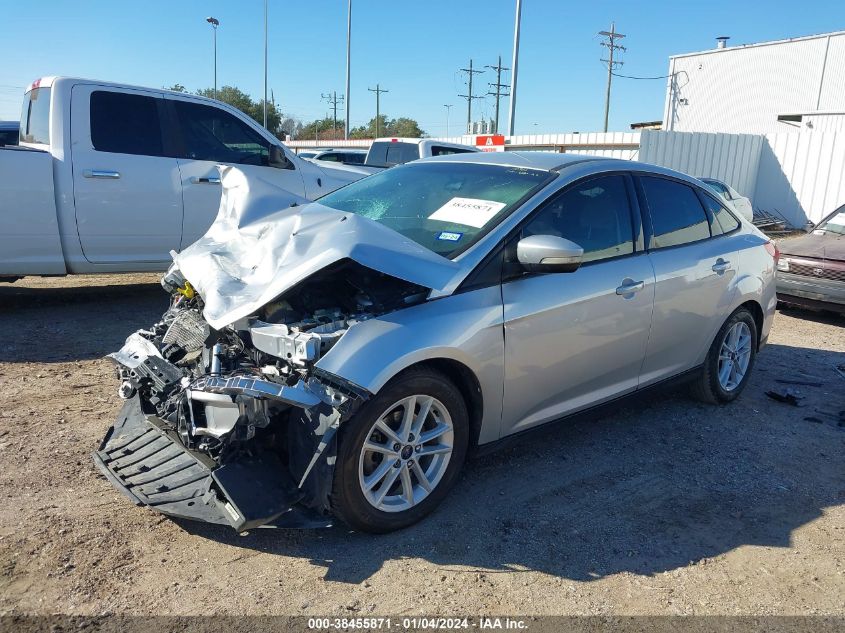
x=738, y=47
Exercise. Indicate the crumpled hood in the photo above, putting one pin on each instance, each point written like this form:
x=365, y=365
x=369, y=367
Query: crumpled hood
x=827, y=246
x=255, y=251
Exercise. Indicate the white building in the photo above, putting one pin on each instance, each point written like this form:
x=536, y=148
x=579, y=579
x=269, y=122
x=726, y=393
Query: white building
x=781, y=86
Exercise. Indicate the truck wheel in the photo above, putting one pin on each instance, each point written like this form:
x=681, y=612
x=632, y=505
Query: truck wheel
x=729, y=361
x=399, y=455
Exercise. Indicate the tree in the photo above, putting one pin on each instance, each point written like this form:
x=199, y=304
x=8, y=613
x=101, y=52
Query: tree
x=177, y=88
x=403, y=126
x=277, y=123
x=322, y=129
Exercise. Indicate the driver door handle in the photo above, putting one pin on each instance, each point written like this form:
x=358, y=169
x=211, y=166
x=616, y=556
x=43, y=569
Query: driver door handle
x=629, y=287
x=720, y=266
x=205, y=180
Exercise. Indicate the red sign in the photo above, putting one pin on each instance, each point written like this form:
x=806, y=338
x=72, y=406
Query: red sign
x=490, y=142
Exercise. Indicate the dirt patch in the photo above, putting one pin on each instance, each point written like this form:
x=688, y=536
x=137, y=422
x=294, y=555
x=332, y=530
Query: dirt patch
x=664, y=507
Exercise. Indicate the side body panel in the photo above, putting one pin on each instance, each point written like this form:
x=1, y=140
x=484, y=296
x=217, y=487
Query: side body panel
x=691, y=302
x=571, y=341
x=466, y=328
x=29, y=230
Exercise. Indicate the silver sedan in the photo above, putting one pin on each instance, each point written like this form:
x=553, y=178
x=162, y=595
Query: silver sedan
x=348, y=354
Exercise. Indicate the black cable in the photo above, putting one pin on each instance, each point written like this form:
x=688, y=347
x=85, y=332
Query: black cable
x=631, y=77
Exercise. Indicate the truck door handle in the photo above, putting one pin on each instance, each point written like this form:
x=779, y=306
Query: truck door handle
x=720, y=266
x=100, y=173
x=205, y=180
x=629, y=287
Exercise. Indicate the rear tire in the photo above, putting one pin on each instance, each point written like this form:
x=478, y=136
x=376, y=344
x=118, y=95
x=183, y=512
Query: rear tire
x=729, y=361
x=390, y=474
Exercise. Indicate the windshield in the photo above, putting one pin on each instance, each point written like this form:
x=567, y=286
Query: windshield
x=834, y=224
x=442, y=206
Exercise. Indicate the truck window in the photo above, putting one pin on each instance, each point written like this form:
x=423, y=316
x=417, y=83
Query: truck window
x=35, y=117
x=210, y=133
x=123, y=123
x=8, y=137
x=387, y=154
x=440, y=150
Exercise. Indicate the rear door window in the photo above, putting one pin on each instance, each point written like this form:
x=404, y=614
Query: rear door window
x=677, y=216
x=124, y=123
x=35, y=117
x=213, y=134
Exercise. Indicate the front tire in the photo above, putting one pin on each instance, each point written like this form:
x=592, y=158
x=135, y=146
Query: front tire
x=729, y=361
x=401, y=452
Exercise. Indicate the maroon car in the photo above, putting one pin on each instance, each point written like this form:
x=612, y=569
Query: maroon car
x=811, y=269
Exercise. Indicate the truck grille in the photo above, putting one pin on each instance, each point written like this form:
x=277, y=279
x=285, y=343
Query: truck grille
x=817, y=272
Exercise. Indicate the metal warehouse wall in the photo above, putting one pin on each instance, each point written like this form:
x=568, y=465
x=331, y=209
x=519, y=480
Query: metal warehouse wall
x=743, y=89
x=732, y=158
x=801, y=176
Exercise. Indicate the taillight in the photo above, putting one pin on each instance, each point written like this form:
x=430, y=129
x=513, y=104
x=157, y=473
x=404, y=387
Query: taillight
x=772, y=249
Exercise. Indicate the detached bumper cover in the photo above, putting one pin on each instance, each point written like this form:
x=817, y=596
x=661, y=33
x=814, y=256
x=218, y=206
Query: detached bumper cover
x=152, y=468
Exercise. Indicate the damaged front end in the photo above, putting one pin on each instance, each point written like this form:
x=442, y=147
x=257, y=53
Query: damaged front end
x=237, y=426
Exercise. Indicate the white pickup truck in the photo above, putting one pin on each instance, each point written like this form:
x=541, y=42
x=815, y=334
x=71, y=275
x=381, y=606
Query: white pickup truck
x=111, y=178
x=388, y=152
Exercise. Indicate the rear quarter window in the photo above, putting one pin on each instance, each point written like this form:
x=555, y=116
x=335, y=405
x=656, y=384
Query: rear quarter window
x=35, y=117
x=723, y=221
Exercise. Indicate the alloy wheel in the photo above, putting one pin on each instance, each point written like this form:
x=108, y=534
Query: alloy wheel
x=734, y=355
x=406, y=453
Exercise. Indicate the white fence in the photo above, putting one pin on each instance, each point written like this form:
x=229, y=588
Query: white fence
x=797, y=175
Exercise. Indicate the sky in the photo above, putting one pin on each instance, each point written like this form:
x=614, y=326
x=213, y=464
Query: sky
x=412, y=48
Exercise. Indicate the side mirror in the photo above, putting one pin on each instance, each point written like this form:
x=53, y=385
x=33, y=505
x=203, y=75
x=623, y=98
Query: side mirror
x=548, y=254
x=278, y=158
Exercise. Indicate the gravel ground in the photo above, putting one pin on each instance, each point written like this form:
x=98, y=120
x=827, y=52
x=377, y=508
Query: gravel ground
x=664, y=507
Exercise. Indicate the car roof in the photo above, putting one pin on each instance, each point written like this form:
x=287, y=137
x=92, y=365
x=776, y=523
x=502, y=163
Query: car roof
x=547, y=161
x=9, y=125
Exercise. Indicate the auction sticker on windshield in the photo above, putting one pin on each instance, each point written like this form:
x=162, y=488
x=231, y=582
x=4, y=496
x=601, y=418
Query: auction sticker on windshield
x=468, y=211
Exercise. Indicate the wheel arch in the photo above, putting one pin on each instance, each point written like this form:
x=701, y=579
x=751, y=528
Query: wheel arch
x=756, y=311
x=469, y=386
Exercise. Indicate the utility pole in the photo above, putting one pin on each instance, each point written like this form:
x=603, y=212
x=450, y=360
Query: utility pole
x=348, y=58
x=469, y=97
x=612, y=46
x=515, y=66
x=265, y=64
x=499, y=86
x=333, y=100
x=378, y=90
x=448, y=107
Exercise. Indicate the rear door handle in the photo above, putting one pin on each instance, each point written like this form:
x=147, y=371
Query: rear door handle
x=720, y=266
x=101, y=173
x=629, y=287
x=205, y=180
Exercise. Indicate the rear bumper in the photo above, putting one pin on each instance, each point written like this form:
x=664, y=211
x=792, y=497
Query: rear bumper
x=808, y=291
x=150, y=466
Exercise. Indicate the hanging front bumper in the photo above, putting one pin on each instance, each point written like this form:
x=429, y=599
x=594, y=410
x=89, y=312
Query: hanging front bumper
x=151, y=467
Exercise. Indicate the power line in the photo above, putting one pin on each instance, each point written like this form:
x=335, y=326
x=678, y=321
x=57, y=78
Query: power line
x=632, y=77
x=378, y=90
x=612, y=47
x=499, y=86
x=333, y=100
x=469, y=97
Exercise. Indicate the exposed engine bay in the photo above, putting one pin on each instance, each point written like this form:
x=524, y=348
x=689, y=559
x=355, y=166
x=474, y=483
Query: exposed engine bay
x=236, y=425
